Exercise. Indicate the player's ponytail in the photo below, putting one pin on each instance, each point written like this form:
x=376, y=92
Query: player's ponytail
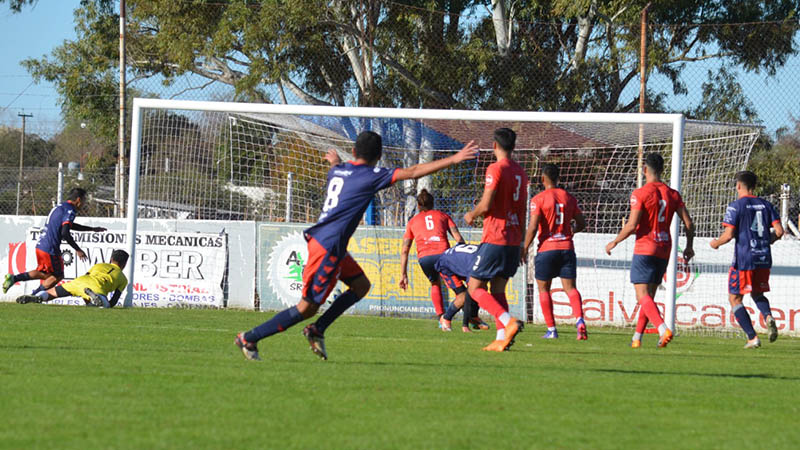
x=424, y=200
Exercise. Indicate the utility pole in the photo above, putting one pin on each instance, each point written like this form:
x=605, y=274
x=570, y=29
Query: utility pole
x=642, y=92
x=119, y=182
x=21, y=152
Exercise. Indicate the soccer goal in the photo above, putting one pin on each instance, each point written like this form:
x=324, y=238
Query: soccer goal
x=262, y=163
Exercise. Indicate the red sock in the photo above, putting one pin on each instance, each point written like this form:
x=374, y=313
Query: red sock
x=489, y=303
x=436, y=297
x=576, y=302
x=547, y=308
x=641, y=324
x=651, y=311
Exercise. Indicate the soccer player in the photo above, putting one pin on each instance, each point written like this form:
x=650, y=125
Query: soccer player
x=652, y=208
x=502, y=206
x=454, y=266
x=350, y=188
x=748, y=220
x=552, y=212
x=94, y=287
x=57, y=227
x=429, y=230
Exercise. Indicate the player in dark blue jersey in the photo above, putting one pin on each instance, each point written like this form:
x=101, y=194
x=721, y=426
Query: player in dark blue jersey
x=351, y=186
x=57, y=227
x=748, y=220
x=454, y=266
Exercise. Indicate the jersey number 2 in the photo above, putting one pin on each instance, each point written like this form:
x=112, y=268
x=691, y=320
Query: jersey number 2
x=662, y=206
x=334, y=189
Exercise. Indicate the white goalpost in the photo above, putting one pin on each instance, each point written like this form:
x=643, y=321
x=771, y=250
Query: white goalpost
x=262, y=162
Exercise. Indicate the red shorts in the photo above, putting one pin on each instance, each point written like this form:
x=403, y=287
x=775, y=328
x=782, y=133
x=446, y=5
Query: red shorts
x=747, y=281
x=322, y=271
x=49, y=264
x=454, y=282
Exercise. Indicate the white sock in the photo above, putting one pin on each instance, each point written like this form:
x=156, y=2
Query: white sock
x=504, y=318
x=637, y=336
x=43, y=295
x=662, y=329
x=501, y=334
x=551, y=328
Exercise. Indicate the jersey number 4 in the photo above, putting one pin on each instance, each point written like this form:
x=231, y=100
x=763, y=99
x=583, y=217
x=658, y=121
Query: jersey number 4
x=758, y=224
x=334, y=189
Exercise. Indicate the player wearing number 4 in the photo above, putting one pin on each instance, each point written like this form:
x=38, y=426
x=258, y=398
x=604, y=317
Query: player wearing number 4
x=351, y=187
x=652, y=208
x=748, y=220
x=503, y=209
x=552, y=212
x=429, y=230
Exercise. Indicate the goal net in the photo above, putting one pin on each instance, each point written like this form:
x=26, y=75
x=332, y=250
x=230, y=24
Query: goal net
x=264, y=163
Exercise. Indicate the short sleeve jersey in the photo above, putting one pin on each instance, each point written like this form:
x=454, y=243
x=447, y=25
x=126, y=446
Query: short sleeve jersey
x=457, y=260
x=429, y=230
x=659, y=203
x=50, y=240
x=751, y=217
x=350, y=188
x=556, y=208
x=502, y=223
x=109, y=277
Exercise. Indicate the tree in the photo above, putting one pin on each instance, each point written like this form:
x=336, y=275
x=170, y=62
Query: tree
x=778, y=164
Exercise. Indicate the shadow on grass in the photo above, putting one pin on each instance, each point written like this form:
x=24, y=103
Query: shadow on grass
x=764, y=376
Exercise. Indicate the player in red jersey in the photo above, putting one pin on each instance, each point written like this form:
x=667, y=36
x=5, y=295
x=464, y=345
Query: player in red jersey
x=429, y=230
x=552, y=212
x=351, y=186
x=503, y=209
x=652, y=208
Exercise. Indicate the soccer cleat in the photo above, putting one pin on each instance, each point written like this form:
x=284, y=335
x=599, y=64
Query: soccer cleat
x=97, y=300
x=512, y=330
x=550, y=334
x=753, y=343
x=249, y=349
x=636, y=343
x=445, y=324
x=772, y=329
x=478, y=324
x=582, y=335
x=23, y=299
x=316, y=340
x=8, y=282
x=496, y=346
x=665, y=339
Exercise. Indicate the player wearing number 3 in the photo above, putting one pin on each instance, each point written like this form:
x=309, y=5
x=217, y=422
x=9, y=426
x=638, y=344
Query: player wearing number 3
x=748, y=220
x=652, y=208
x=351, y=187
x=502, y=206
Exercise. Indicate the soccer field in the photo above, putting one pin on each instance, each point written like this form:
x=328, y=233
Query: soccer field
x=74, y=377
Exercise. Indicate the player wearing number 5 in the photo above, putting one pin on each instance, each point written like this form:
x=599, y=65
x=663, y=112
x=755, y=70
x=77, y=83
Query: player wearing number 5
x=748, y=220
x=429, y=230
x=502, y=206
x=350, y=188
x=652, y=208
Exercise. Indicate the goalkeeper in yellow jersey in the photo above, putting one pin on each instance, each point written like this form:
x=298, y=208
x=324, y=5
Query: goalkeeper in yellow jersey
x=94, y=287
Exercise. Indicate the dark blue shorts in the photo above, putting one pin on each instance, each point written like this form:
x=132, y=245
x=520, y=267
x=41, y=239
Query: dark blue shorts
x=648, y=269
x=428, y=264
x=556, y=263
x=495, y=261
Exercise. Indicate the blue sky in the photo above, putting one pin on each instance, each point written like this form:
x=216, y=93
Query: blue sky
x=36, y=31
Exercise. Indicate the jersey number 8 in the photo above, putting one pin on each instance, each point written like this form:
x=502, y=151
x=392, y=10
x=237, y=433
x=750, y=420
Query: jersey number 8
x=334, y=189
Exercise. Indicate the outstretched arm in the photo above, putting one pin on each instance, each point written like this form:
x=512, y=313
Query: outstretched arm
x=404, y=263
x=683, y=213
x=115, y=299
x=66, y=235
x=333, y=158
x=470, y=151
x=627, y=230
x=78, y=227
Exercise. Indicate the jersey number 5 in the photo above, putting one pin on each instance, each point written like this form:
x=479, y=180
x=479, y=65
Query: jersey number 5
x=559, y=213
x=334, y=189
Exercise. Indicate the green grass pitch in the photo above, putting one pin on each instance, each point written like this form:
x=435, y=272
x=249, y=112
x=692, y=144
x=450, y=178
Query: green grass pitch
x=74, y=377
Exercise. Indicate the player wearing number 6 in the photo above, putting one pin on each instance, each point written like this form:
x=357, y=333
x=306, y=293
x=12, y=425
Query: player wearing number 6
x=351, y=187
x=502, y=206
x=429, y=229
x=748, y=220
x=552, y=212
x=652, y=208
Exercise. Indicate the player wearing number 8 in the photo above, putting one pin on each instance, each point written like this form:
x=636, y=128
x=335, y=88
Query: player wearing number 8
x=351, y=187
x=652, y=208
x=748, y=219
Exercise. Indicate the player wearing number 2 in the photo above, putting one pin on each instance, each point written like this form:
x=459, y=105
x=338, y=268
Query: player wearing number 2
x=552, y=212
x=652, y=208
x=748, y=220
x=351, y=187
x=502, y=206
